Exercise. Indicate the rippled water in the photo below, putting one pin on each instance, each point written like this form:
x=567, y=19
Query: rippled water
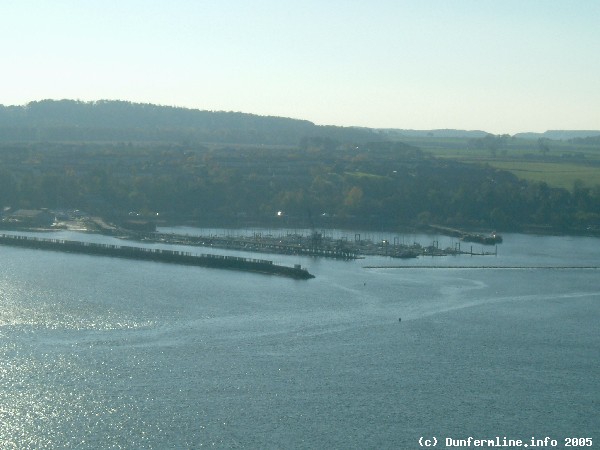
x=109, y=353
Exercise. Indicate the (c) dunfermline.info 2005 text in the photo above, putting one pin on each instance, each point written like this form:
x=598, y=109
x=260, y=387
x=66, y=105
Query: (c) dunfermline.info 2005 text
x=497, y=441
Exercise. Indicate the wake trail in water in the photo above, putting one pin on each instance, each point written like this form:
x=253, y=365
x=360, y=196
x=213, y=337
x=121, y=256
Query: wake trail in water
x=413, y=315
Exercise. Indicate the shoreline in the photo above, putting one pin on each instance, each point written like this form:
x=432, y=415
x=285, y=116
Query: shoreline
x=76, y=220
x=100, y=226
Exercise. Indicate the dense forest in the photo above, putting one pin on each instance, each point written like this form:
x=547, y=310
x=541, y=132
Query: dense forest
x=377, y=185
x=102, y=121
x=320, y=181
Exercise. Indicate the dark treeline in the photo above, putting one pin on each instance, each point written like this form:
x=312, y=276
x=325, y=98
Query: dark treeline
x=590, y=140
x=318, y=183
x=109, y=121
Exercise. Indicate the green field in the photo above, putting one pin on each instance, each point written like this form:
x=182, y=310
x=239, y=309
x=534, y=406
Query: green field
x=562, y=166
x=563, y=175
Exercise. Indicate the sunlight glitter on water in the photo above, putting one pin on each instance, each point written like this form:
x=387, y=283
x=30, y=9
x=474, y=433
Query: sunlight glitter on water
x=158, y=356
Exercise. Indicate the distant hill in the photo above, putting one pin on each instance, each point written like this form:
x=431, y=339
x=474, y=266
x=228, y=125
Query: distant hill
x=107, y=120
x=560, y=135
x=121, y=121
x=556, y=135
x=396, y=133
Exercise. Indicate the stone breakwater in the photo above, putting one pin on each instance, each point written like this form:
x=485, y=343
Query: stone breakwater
x=157, y=255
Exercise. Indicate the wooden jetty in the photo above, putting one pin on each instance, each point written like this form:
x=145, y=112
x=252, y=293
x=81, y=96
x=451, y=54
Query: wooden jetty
x=314, y=245
x=157, y=255
x=285, y=245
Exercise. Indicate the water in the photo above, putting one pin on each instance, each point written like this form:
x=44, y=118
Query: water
x=109, y=353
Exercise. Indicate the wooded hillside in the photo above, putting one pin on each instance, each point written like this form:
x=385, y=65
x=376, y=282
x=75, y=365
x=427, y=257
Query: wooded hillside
x=119, y=121
x=114, y=158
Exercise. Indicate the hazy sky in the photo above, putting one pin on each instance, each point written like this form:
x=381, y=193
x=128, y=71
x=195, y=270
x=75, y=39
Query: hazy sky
x=502, y=66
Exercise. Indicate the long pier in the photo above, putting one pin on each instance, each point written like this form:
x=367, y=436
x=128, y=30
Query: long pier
x=157, y=255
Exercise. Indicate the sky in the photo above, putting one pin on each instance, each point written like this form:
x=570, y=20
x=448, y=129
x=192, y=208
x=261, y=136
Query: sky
x=501, y=66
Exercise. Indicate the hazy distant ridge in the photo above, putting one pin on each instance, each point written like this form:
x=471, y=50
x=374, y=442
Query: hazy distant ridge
x=560, y=135
x=557, y=135
x=440, y=133
x=114, y=120
x=108, y=120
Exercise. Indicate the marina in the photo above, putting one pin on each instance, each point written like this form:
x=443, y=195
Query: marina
x=314, y=244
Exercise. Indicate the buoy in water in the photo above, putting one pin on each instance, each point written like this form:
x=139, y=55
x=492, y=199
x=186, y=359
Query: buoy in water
x=400, y=319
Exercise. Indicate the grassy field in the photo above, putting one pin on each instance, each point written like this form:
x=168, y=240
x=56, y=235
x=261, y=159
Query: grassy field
x=563, y=165
x=562, y=175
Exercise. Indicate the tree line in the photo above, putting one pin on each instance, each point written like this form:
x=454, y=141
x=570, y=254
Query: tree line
x=319, y=183
x=122, y=121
